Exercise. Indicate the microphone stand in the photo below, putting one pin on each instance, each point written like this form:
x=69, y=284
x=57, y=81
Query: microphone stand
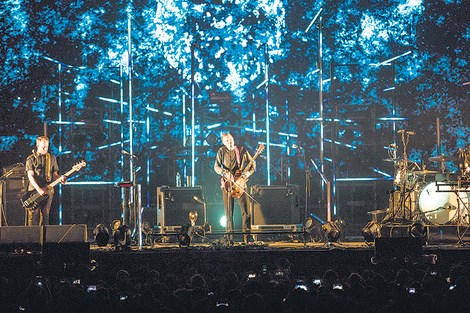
x=307, y=180
x=135, y=198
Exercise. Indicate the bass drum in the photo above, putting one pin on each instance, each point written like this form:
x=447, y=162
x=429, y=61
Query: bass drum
x=440, y=207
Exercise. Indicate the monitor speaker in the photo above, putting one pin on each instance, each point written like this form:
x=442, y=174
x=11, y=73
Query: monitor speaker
x=275, y=205
x=175, y=203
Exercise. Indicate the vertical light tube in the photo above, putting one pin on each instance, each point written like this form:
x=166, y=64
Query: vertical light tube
x=60, y=138
x=268, y=139
x=131, y=116
x=193, y=139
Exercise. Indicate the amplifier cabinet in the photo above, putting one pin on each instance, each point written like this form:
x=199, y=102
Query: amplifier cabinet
x=12, y=189
x=276, y=205
x=175, y=203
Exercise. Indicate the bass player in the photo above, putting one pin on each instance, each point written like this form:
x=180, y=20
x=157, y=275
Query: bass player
x=41, y=168
x=235, y=165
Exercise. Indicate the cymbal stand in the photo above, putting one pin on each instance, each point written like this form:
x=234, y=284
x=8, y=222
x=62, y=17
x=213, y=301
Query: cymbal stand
x=405, y=195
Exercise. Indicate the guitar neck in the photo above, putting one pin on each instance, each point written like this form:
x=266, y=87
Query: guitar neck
x=55, y=182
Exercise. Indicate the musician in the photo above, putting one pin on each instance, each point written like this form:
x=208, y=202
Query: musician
x=42, y=169
x=231, y=161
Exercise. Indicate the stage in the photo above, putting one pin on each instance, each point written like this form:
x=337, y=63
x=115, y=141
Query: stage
x=215, y=255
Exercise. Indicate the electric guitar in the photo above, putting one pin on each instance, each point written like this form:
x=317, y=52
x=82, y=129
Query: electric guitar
x=32, y=199
x=237, y=185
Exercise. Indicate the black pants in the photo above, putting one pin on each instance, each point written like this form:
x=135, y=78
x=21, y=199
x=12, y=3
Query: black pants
x=40, y=216
x=229, y=204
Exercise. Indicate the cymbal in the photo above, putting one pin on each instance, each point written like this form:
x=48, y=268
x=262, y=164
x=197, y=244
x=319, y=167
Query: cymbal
x=443, y=158
x=392, y=160
x=425, y=172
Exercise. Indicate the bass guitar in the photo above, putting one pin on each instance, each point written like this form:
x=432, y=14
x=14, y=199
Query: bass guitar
x=32, y=199
x=237, y=185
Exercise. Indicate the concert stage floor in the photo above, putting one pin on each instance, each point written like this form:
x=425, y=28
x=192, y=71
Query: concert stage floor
x=309, y=259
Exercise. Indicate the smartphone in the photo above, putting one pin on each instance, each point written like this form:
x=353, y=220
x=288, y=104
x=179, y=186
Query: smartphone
x=91, y=288
x=317, y=281
x=303, y=287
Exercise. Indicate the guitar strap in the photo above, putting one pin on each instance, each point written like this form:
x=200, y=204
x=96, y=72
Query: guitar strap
x=48, y=168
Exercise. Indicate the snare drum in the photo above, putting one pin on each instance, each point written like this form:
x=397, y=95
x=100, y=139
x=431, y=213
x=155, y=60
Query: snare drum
x=441, y=206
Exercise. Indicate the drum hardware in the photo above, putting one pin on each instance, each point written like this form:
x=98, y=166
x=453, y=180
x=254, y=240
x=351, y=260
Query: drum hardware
x=442, y=158
x=402, y=203
x=424, y=172
x=445, y=203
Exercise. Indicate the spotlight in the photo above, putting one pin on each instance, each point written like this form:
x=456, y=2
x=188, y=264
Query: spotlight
x=370, y=231
x=185, y=235
x=122, y=238
x=332, y=231
x=312, y=228
x=212, y=139
x=101, y=235
x=418, y=229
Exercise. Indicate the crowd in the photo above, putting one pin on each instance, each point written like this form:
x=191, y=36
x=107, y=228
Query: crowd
x=397, y=287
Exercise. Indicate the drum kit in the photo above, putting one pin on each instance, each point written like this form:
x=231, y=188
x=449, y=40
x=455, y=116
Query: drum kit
x=435, y=197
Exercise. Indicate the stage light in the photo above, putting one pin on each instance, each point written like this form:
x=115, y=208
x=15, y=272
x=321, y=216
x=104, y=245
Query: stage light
x=312, y=228
x=212, y=139
x=418, y=229
x=371, y=231
x=223, y=221
x=185, y=235
x=122, y=238
x=101, y=235
x=331, y=231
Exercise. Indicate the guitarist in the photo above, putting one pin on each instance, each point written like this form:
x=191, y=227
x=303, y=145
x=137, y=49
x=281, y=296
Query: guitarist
x=229, y=161
x=42, y=169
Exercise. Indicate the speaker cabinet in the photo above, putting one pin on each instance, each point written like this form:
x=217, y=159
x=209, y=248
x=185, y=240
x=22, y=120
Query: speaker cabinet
x=12, y=191
x=276, y=205
x=21, y=234
x=175, y=203
x=65, y=233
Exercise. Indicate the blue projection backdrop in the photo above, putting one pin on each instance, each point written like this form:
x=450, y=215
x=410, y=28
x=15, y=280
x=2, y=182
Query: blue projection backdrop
x=61, y=61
